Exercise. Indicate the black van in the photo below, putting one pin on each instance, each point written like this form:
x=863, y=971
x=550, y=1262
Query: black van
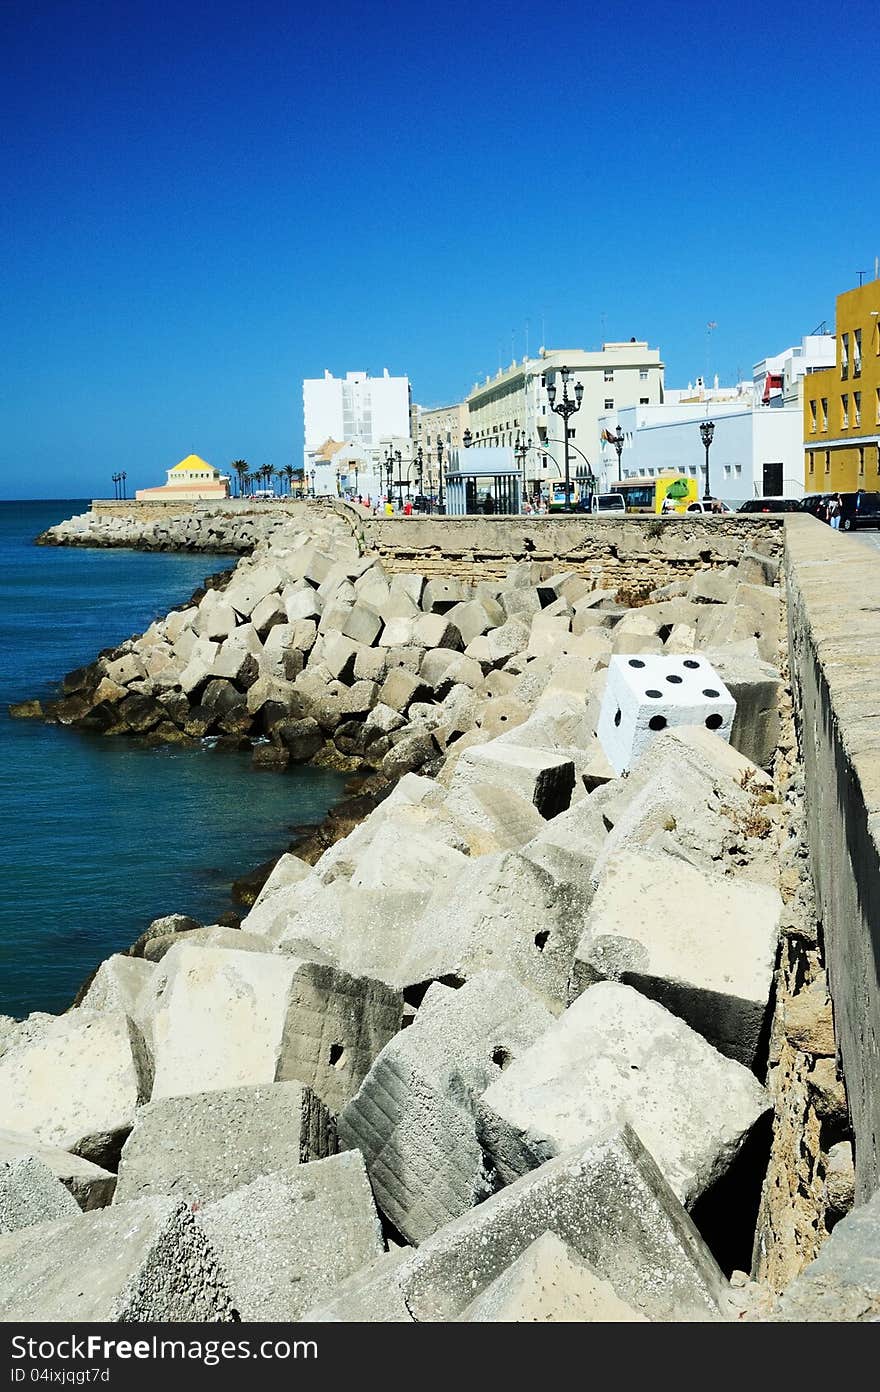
x=816, y=504
x=860, y=509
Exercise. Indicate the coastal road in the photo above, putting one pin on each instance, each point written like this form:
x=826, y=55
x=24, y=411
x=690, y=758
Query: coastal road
x=870, y=537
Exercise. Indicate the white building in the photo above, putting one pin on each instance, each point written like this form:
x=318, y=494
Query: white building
x=754, y=452
x=513, y=409
x=779, y=380
x=357, y=410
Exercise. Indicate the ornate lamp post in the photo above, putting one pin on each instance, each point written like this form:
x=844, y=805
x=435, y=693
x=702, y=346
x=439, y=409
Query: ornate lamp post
x=707, y=431
x=420, y=471
x=618, y=442
x=389, y=466
x=440, y=503
x=123, y=476
x=521, y=449
x=312, y=477
x=565, y=408
x=115, y=481
x=467, y=439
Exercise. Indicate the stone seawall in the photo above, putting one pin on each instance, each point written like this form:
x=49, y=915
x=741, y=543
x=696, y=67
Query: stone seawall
x=234, y=527
x=634, y=556
x=834, y=641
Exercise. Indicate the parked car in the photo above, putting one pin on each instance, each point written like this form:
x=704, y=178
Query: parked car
x=707, y=505
x=815, y=504
x=860, y=509
x=771, y=505
x=610, y=504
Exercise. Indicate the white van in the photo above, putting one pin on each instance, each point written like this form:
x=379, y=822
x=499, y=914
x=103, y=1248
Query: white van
x=609, y=503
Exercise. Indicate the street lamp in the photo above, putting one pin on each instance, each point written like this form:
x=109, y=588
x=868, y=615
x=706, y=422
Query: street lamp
x=440, y=472
x=115, y=481
x=618, y=442
x=520, y=450
x=707, y=430
x=389, y=466
x=312, y=477
x=466, y=439
x=420, y=470
x=565, y=408
x=123, y=476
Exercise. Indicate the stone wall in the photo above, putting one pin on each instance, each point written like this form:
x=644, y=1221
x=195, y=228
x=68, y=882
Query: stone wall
x=158, y=510
x=834, y=640
x=635, y=555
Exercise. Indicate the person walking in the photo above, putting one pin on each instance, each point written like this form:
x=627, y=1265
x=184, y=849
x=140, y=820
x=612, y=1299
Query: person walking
x=835, y=508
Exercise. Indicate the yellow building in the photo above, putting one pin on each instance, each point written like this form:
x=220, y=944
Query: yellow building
x=842, y=403
x=192, y=480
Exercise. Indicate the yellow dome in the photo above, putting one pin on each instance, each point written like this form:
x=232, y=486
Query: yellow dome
x=191, y=465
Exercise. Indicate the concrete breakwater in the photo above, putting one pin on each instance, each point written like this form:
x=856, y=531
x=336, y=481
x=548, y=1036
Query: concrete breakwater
x=233, y=528
x=518, y=1020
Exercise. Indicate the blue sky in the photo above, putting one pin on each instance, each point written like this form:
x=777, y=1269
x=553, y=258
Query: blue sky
x=208, y=202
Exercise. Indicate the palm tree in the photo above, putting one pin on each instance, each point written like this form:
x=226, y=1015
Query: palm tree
x=247, y=480
x=288, y=472
x=240, y=468
x=279, y=474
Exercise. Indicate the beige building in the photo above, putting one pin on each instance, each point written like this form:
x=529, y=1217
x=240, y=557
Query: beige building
x=444, y=423
x=192, y=480
x=512, y=408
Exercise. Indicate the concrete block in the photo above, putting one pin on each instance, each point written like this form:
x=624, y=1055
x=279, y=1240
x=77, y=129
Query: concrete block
x=520, y=603
x=363, y=625
x=609, y=1203
x=248, y=586
x=439, y=596
x=499, y=644
x=204, y=1145
x=491, y=818
x=339, y=656
x=305, y=632
x=702, y=945
x=286, y=1241
x=539, y=775
x=568, y=846
x=434, y=666
x=30, y=1193
x=408, y=586
x=401, y=688
x=547, y=634
x=89, y=1185
x=137, y=1263
x=436, y=631
x=549, y=1283
x=118, y=985
x=370, y=1296
x=371, y=664
x=471, y=619
x=647, y=695
x=281, y=657
x=615, y=1056
x=269, y=612
x=336, y=1026
x=754, y=612
x=756, y=687
x=77, y=1083
x=413, y=1115
x=714, y=586
x=301, y=604
x=199, y=666
x=398, y=632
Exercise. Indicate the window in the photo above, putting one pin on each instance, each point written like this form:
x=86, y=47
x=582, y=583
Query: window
x=877, y=405
x=813, y=417
x=857, y=408
x=428, y=439
x=828, y=461
x=844, y=357
x=824, y=412
x=609, y=374
x=844, y=412
x=861, y=459
x=812, y=462
x=609, y=403
x=643, y=374
x=857, y=353
x=643, y=401
x=738, y=468
x=727, y=470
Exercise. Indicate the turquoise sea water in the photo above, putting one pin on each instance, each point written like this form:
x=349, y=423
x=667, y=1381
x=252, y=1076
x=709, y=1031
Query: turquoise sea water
x=102, y=835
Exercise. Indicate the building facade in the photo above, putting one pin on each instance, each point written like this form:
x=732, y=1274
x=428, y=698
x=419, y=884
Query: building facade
x=754, y=452
x=357, y=410
x=841, y=409
x=513, y=408
x=192, y=480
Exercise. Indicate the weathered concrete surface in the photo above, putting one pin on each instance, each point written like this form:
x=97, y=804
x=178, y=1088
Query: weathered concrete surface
x=370, y=1296
x=548, y=1283
x=141, y=1262
x=539, y=775
x=834, y=639
x=77, y=1084
x=286, y=1240
x=609, y=1203
x=413, y=1117
x=30, y=1193
x=90, y=1186
x=843, y=1283
x=221, y=1141
x=615, y=1056
x=703, y=945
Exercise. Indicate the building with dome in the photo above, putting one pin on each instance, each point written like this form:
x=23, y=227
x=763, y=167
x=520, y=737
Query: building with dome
x=193, y=480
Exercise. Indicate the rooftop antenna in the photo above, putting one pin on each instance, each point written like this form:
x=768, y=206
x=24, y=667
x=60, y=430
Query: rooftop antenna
x=861, y=275
x=709, y=327
x=528, y=322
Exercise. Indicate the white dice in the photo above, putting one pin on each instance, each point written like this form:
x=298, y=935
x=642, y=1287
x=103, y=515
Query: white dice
x=648, y=694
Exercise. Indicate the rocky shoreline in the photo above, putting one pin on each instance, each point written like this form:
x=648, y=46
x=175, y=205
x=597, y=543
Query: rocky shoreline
x=499, y=1051
x=234, y=529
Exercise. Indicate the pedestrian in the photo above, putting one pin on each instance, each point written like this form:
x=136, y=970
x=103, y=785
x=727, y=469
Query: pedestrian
x=407, y=508
x=835, y=508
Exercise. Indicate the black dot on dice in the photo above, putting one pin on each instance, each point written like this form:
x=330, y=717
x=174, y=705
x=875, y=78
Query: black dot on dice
x=617, y=716
x=689, y=662
x=676, y=681
x=713, y=721
x=657, y=722
x=654, y=694
x=636, y=662
x=710, y=691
